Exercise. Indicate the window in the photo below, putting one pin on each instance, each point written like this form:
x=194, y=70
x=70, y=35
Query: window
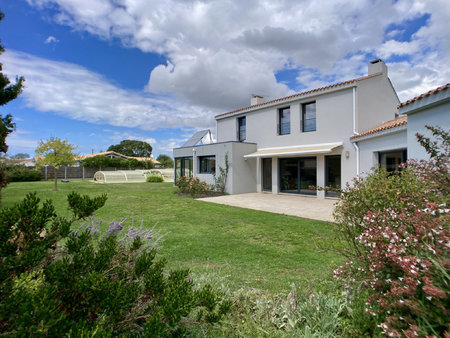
x=207, y=164
x=309, y=116
x=242, y=129
x=390, y=160
x=284, y=121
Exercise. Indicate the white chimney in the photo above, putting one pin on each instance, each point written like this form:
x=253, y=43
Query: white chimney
x=377, y=66
x=256, y=99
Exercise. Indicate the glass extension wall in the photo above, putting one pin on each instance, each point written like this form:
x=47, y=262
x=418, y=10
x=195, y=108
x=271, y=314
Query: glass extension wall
x=298, y=174
x=183, y=167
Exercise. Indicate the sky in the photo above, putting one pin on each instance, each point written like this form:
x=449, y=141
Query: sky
x=101, y=71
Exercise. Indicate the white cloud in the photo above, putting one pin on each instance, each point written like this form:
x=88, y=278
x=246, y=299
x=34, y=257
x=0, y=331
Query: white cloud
x=19, y=142
x=51, y=39
x=222, y=51
x=77, y=93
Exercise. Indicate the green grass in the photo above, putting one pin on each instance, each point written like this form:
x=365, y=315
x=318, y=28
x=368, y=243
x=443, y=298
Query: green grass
x=251, y=249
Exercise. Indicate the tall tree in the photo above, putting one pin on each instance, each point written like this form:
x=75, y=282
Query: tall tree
x=8, y=92
x=132, y=148
x=165, y=160
x=55, y=152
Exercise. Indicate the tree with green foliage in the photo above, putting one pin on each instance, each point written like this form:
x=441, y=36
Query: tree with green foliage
x=132, y=148
x=8, y=92
x=55, y=152
x=101, y=161
x=20, y=156
x=165, y=160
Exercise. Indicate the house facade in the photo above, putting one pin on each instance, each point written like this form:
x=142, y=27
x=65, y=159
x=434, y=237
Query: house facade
x=292, y=143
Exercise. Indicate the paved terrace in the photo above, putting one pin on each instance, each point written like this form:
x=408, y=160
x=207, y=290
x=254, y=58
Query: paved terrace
x=287, y=204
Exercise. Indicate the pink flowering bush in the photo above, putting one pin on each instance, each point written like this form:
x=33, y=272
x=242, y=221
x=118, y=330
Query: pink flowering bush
x=394, y=232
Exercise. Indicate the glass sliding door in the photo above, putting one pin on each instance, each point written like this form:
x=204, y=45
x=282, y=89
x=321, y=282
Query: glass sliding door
x=298, y=174
x=267, y=174
x=308, y=175
x=183, y=167
x=332, y=173
x=289, y=175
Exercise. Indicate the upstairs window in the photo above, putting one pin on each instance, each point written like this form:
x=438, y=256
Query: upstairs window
x=242, y=129
x=309, y=116
x=284, y=121
x=207, y=164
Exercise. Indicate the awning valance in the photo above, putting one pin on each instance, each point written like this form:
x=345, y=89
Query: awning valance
x=295, y=150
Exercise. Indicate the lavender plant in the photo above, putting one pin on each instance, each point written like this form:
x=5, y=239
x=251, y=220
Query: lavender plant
x=87, y=282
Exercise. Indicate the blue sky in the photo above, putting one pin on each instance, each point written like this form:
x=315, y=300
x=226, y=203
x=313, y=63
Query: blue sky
x=98, y=72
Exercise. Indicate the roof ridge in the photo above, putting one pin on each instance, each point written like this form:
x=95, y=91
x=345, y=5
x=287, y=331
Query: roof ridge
x=301, y=93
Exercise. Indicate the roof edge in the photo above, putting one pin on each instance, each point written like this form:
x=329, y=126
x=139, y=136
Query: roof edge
x=297, y=95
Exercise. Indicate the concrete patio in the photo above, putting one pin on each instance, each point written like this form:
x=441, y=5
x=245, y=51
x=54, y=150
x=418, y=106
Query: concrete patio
x=287, y=204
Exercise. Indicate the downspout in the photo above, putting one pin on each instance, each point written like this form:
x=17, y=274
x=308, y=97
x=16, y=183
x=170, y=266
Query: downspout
x=355, y=144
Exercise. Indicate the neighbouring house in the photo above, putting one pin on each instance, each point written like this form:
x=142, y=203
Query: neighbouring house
x=321, y=137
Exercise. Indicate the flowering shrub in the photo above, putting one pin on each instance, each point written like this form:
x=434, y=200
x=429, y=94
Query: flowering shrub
x=395, y=235
x=86, y=282
x=193, y=186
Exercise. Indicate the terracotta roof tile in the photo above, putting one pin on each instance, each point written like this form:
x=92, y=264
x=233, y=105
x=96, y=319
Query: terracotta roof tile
x=300, y=94
x=384, y=126
x=421, y=96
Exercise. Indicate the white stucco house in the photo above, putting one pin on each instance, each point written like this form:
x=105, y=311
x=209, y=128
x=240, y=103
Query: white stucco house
x=321, y=137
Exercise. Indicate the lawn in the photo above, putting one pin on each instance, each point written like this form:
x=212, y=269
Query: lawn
x=248, y=248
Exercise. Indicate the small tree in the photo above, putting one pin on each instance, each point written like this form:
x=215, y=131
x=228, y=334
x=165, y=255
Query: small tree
x=165, y=160
x=55, y=152
x=132, y=148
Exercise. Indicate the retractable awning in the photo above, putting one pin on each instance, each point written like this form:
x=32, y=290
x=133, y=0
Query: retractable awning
x=295, y=150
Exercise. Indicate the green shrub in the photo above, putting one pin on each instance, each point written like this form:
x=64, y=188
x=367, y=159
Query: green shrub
x=57, y=282
x=193, y=186
x=155, y=179
x=21, y=174
x=103, y=161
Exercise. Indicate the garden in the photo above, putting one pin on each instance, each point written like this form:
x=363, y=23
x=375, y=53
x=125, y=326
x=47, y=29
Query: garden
x=138, y=259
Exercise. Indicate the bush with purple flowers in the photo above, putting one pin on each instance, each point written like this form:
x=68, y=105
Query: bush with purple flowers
x=88, y=282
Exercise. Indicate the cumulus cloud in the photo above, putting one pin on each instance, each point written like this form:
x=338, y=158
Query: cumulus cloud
x=75, y=92
x=51, y=39
x=220, y=52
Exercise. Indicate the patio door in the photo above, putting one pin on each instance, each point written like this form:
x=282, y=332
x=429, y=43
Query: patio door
x=267, y=174
x=298, y=174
